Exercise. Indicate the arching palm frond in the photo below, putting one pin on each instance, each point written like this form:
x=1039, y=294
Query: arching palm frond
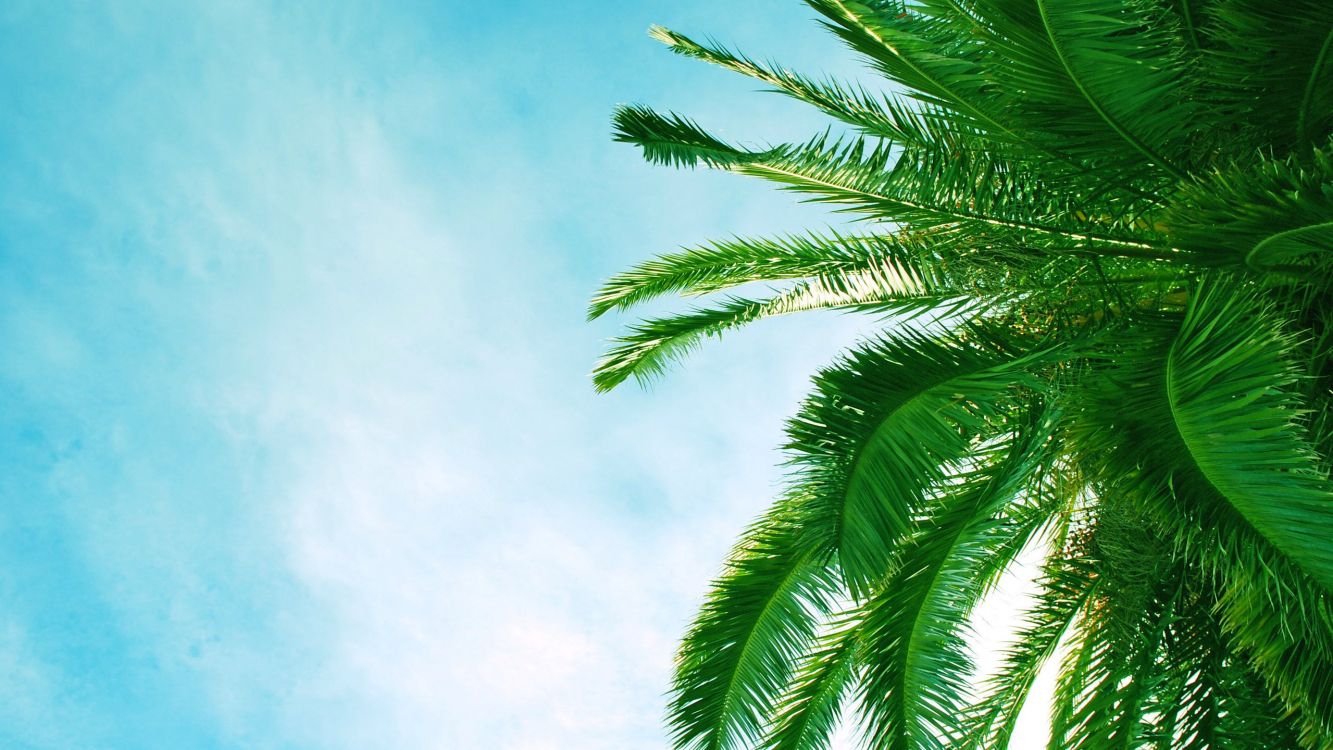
x=1066, y=584
x=814, y=705
x=1209, y=414
x=764, y=610
x=976, y=195
x=887, y=425
x=915, y=663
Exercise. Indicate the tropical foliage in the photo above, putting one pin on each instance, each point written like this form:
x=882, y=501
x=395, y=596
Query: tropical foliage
x=1098, y=234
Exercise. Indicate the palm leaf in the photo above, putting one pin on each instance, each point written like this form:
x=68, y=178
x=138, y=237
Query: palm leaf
x=1226, y=375
x=878, y=116
x=886, y=424
x=809, y=714
x=916, y=668
x=652, y=345
x=978, y=196
x=1208, y=414
x=1114, y=62
x=1066, y=585
x=1262, y=213
x=734, y=663
x=730, y=263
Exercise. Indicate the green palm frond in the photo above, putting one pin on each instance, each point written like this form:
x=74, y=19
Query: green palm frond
x=1123, y=633
x=1067, y=582
x=902, y=47
x=1228, y=379
x=978, y=197
x=762, y=613
x=880, y=115
x=1107, y=692
x=1215, y=699
x=1207, y=412
x=814, y=704
x=1116, y=65
x=915, y=664
x=652, y=345
x=1075, y=95
x=1263, y=212
x=1281, y=622
x=886, y=425
x=730, y=263
x=875, y=115
x=1242, y=493
x=1275, y=625
x=676, y=141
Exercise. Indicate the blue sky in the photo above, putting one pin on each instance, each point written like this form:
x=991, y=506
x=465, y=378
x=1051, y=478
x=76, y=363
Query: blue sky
x=297, y=443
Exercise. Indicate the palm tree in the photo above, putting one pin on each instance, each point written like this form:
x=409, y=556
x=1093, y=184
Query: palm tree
x=1097, y=233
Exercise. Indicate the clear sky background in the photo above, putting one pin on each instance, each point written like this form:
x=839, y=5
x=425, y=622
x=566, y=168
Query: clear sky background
x=297, y=443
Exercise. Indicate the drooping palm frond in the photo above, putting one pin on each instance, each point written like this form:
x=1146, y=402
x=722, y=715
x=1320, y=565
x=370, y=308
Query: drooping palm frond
x=1111, y=77
x=763, y=611
x=1210, y=414
x=1067, y=582
x=927, y=127
x=888, y=424
x=907, y=51
x=979, y=197
x=814, y=705
x=915, y=664
x=1228, y=379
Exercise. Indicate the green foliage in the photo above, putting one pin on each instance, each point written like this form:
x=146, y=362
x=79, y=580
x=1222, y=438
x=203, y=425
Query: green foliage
x=1098, y=235
x=757, y=622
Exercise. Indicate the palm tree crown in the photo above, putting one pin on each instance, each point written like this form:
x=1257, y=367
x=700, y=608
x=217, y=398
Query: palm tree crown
x=1098, y=233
